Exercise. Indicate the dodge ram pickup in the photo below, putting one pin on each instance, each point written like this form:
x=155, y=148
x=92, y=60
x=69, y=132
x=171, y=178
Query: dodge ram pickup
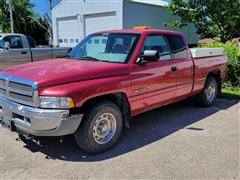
x=18, y=49
x=107, y=78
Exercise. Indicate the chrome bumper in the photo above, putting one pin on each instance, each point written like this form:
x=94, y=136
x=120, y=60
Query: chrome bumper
x=36, y=121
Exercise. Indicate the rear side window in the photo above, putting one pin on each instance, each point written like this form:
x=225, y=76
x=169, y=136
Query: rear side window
x=176, y=43
x=31, y=42
x=177, y=47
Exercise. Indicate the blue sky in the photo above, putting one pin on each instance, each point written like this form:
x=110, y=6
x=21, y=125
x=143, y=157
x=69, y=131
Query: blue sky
x=42, y=6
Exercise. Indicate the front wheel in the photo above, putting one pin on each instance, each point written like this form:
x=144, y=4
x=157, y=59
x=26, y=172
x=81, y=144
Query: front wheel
x=208, y=96
x=100, y=129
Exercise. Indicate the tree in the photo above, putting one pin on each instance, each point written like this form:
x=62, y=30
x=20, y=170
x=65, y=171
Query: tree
x=25, y=20
x=212, y=18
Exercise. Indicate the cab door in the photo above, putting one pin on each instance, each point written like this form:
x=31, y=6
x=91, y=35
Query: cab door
x=154, y=83
x=17, y=54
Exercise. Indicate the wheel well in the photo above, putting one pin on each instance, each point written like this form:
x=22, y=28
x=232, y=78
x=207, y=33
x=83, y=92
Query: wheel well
x=216, y=75
x=120, y=99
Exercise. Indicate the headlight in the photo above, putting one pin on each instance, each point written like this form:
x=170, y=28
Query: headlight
x=56, y=102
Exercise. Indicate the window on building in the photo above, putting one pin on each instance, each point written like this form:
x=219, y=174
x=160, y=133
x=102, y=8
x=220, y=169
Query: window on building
x=96, y=41
x=104, y=41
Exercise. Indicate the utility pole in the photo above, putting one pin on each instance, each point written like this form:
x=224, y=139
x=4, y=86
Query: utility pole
x=9, y=2
x=50, y=28
x=51, y=7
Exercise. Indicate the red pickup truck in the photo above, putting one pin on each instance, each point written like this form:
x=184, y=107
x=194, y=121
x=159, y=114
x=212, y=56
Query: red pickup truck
x=107, y=78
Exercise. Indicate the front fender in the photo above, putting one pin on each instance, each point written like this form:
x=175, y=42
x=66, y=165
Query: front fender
x=82, y=91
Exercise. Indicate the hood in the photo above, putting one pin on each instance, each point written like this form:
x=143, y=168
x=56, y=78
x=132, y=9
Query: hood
x=60, y=71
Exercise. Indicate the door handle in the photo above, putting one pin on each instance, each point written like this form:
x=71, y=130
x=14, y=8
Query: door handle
x=173, y=68
x=24, y=52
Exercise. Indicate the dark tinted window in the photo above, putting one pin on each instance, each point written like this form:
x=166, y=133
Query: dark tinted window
x=31, y=42
x=176, y=43
x=177, y=46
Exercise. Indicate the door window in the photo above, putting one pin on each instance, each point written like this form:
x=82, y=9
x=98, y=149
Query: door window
x=177, y=46
x=14, y=41
x=159, y=43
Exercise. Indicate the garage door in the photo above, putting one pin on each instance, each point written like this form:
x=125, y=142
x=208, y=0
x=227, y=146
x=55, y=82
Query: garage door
x=68, y=32
x=100, y=22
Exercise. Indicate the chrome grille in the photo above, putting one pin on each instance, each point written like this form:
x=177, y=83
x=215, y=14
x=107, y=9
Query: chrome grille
x=18, y=90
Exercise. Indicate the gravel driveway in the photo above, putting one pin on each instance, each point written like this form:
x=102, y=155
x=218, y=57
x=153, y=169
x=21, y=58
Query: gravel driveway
x=179, y=141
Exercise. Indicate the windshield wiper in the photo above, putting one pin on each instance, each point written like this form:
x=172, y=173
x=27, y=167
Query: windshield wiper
x=89, y=58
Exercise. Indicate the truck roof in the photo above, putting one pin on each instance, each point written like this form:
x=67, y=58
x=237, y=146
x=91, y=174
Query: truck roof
x=142, y=31
x=9, y=34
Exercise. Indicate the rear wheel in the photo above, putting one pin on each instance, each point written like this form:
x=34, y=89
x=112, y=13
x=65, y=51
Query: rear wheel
x=208, y=96
x=100, y=129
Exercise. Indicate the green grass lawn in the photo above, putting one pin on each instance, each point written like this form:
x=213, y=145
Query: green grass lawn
x=231, y=92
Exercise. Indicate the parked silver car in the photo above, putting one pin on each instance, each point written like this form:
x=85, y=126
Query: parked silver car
x=19, y=49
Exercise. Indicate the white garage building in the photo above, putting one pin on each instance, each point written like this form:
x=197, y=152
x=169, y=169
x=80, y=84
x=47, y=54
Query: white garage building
x=75, y=19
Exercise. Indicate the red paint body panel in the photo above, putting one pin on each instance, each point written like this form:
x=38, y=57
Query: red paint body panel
x=147, y=86
x=60, y=71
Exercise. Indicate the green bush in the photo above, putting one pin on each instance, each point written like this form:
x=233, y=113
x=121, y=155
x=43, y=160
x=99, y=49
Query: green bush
x=233, y=53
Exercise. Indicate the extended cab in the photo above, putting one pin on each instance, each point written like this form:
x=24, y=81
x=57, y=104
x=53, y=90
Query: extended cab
x=107, y=78
x=18, y=49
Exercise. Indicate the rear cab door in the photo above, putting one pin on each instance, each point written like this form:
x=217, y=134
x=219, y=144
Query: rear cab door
x=183, y=64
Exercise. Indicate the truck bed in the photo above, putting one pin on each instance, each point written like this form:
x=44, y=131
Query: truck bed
x=207, y=60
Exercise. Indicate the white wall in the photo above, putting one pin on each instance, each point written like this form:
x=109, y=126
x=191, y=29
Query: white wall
x=79, y=10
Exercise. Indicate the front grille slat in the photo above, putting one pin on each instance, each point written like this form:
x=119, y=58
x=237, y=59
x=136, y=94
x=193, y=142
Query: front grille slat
x=20, y=86
x=2, y=86
x=3, y=93
x=17, y=91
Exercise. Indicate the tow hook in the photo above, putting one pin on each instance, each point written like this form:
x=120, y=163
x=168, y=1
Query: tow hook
x=27, y=136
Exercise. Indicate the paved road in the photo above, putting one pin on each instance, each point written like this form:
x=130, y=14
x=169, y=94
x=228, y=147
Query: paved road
x=180, y=141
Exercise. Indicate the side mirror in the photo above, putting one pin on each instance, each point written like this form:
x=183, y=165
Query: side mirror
x=149, y=56
x=7, y=45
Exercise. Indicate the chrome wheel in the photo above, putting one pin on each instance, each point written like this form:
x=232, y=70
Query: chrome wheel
x=104, y=128
x=211, y=92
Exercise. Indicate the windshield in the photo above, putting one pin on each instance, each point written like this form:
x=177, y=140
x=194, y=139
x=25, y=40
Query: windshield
x=1, y=43
x=107, y=47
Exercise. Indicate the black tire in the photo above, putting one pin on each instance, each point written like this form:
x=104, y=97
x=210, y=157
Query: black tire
x=84, y=135
x=204, y=99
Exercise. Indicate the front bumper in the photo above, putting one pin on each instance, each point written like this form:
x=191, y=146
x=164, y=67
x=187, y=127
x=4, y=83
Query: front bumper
x=36, y=121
